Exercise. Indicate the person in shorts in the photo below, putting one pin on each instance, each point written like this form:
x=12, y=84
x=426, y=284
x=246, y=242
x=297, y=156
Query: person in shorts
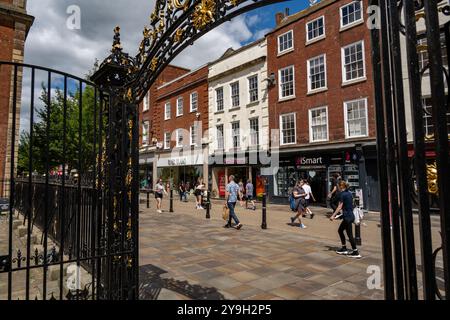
x=299, y=195
x=159, y=193
x=308, y=198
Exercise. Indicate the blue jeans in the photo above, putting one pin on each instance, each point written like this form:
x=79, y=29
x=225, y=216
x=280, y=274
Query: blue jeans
x=231, y=206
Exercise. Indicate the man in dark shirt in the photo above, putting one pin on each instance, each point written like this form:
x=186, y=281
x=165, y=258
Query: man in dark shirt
x=346, y=205
x=333, y=196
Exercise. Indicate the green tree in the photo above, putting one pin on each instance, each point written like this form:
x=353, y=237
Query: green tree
x=54, y=126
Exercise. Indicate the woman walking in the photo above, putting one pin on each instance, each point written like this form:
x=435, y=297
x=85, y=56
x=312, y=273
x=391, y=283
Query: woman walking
x=309, y=196
x=299, y=195
x=199, y=188
x=159, y=192
x=346, y=205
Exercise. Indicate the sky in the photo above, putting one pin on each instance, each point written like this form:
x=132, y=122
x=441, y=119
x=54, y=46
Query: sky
x=50, y=43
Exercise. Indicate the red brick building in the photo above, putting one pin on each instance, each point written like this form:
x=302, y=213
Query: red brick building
x=14, y=26
x=180, y=121
x=148, y=130
x=321, y=101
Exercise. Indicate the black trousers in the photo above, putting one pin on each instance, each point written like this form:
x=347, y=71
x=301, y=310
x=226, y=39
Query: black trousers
x=346, y=226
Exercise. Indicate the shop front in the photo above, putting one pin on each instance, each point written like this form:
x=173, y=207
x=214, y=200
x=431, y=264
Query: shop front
x=241, y=167
x=146, y=170
x=318, y=169
x=181, y=169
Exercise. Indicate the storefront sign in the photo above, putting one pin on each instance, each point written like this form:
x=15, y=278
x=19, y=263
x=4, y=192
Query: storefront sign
x=168, y=161
x=235, y=160
x=177, y=162
x=305, y=162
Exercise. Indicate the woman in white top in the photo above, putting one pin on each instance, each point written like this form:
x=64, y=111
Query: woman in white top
x=309, y=196
x=199, y=188
x=159, y=191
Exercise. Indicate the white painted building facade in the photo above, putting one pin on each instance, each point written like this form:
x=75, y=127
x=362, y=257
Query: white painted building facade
x=238, y=114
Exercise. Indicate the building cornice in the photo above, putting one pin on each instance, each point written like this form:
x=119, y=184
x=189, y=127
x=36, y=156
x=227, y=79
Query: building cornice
x=239, y=68
x=182, y=88
x=15, y=14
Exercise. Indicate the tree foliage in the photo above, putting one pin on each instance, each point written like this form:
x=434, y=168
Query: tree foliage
x=63, y=133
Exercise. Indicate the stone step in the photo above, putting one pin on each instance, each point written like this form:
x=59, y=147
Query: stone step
x=16, y=224
x=33, y=237
x=22, y=230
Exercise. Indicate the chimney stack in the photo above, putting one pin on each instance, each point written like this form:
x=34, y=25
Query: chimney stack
x=279, y=16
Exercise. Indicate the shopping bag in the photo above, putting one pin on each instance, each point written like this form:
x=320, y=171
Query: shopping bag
x=359, y=215
x=226, y=213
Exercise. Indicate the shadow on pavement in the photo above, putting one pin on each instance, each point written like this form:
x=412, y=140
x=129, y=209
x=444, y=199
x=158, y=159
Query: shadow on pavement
x=151, y=284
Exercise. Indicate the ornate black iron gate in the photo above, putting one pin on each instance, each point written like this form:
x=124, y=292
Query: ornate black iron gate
x=71, y=190
x=408, y=51
x=79, y=224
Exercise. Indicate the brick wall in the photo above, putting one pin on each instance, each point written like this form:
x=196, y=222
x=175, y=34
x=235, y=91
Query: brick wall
x=195, y=81
x=170, y=73
x=336, y=93
x=14, y=25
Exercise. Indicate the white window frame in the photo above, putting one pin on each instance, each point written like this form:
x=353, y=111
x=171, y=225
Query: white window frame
x=193, y=129
x=281, y=128
x=258, y=138
x=308, y=67
x=320, y=37
x=234, y=96
x=179, y=114
x=179, y=132
x=191, y=100
x=217, y=99
x=146, y=102
x=344, y=73
x=250, y=88
x=346, y=119
x=145, y=133
x=280, y=97
x=281, y=52
x=167, y=105
x=233, y=136
x=354, y=23
x=223, y=137
x=311, y=136
x=169, y=135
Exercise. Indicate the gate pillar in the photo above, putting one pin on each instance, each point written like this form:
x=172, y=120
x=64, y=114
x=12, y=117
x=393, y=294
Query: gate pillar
x=119, y=166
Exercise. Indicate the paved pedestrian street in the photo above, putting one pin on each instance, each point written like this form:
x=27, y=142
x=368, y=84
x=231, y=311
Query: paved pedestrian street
x=185, y=256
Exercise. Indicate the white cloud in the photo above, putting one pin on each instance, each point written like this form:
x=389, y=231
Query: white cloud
x=50, y=43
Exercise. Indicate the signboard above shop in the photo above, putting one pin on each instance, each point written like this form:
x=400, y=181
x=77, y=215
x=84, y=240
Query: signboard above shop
x=310, y=162
x=189, y=160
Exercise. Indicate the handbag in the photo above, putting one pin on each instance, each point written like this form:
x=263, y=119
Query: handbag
x=226, y=213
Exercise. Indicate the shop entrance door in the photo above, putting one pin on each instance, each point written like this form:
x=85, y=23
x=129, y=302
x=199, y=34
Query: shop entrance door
x=318, y=180
x=239, y=173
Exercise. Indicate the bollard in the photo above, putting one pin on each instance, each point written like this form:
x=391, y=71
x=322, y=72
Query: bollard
x=208, y=205
x=264, y=212
x=148, y=199
x=171, y=200
x=358, y=235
